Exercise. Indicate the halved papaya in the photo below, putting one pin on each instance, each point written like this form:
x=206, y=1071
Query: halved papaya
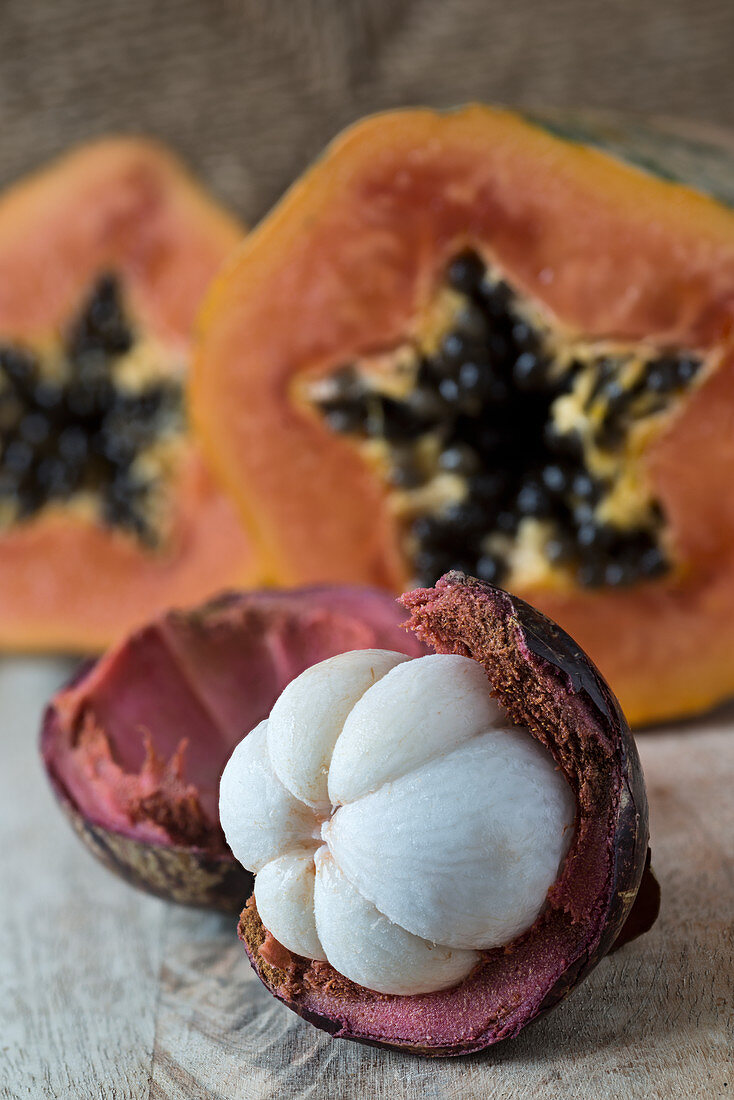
x=107, y=510
x=473, y=340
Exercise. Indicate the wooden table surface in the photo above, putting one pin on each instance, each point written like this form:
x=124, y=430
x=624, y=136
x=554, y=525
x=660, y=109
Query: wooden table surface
x=107, y=993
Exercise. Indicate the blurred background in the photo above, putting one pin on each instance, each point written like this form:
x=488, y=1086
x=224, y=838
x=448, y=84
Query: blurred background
x=249, y=92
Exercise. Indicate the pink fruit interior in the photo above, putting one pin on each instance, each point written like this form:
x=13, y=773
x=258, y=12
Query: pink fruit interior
x=138, y=742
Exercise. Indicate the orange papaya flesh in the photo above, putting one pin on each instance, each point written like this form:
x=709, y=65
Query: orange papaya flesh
x=338, y=308
x=108, y=512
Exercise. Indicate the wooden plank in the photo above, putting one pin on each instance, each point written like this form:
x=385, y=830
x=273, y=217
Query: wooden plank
x=79, y=951
x=108, y=993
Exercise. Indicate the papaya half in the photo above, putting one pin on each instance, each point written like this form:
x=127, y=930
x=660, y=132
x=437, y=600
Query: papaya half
x=501, y=344
x=107, y=510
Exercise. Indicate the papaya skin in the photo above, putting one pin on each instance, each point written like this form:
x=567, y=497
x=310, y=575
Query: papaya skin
x=123, y=205
x=343, y=268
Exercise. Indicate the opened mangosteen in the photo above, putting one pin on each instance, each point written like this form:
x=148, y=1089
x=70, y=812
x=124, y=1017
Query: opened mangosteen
x=444, y=847
x=134, y=746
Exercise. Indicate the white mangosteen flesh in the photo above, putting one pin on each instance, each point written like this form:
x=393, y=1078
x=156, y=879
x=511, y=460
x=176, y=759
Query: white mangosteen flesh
x=319, y=700
x=397, y=822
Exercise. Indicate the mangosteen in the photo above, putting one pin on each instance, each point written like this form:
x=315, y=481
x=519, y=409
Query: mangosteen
x=135, y=744
x=444, y=847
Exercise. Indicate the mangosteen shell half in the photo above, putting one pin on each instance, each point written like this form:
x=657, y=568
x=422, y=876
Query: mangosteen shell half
x=191, y=684
x=606, y=893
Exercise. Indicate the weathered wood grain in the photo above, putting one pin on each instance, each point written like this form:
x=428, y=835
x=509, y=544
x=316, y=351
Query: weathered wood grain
x=79, y=952
x=106, y=993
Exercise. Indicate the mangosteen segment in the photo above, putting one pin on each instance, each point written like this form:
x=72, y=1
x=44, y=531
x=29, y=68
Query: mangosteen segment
x=543, y=682
x=548, y=684
x=135, y=744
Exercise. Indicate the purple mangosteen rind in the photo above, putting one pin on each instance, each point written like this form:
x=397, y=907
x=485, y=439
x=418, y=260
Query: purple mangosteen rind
x=187, y=875
x=190, y=874
x=606, y=893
